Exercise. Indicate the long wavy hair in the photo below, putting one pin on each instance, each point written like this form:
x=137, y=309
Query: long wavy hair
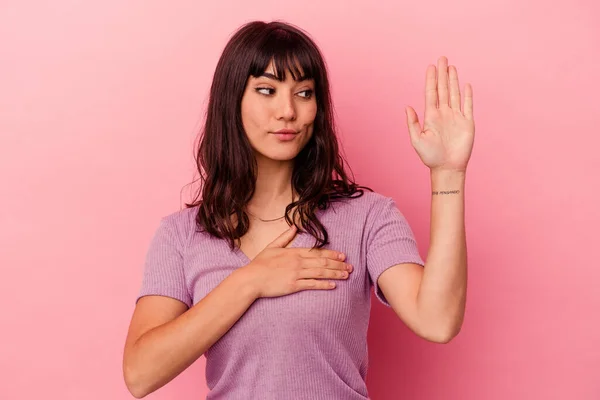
x=225, y=158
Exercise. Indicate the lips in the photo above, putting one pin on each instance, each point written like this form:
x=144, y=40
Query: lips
x=286, y=134
x=285, y=131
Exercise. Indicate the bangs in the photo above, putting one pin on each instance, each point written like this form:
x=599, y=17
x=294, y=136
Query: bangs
x=288, y=52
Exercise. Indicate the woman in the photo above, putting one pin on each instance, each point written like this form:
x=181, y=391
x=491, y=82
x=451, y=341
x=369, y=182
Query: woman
x=269, y=274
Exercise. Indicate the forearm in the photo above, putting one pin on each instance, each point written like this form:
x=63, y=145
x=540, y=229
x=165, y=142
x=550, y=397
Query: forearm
x=442, y=293
x=164, y=352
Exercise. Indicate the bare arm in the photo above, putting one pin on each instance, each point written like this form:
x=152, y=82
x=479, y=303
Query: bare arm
x=432, y=300
x=441, y=299
x=164, y=339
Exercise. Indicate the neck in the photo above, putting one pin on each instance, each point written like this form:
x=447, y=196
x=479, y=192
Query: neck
x=273, y=189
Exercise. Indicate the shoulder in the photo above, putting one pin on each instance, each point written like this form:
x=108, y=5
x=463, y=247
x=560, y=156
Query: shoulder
x=357, y=213
x=181, y=224
x=367, y=204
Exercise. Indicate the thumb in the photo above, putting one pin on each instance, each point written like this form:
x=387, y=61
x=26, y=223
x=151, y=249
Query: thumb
x=285, y=238
x=412, y=121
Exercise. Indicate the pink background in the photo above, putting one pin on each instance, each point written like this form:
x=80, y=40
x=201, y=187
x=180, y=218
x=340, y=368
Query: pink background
x=100, y=103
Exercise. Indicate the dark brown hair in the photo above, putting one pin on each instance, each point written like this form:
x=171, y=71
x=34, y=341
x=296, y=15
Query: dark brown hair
x=225, y=158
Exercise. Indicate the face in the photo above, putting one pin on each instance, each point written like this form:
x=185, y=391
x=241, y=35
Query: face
x=269, y=106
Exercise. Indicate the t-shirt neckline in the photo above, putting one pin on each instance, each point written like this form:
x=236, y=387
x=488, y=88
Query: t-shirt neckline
x=296, y=242
x=299, y=241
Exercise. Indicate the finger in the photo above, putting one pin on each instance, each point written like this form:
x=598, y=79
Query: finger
x=431, y=96
x=454, y=88
x=442, y=81
x=324, y=263
x=319, y=253
x=412, y=121
x=307, y=284
x=468, y=105
x=285, y=238
x=320, y=273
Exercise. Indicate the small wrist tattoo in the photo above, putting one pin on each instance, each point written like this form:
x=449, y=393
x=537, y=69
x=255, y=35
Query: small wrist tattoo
x=446, y=192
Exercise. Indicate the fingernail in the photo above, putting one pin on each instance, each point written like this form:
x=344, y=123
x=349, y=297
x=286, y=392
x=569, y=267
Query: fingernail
x=350, y=268
x=341, y=256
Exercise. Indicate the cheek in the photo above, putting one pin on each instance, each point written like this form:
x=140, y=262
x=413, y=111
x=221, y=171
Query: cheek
x=254, y=114
x=250, y=109
x=246, y=113
x=309, y=113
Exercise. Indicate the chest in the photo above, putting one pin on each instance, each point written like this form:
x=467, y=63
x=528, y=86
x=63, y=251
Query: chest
x=208, y=261
x=260, y=236
x=311, y=315
x=308, y=311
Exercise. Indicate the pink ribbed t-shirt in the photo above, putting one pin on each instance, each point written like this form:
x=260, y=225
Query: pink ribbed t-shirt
x=307, y=345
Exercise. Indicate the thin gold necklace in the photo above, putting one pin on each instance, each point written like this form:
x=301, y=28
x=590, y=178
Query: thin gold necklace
x=265, y=220
x=270, y=220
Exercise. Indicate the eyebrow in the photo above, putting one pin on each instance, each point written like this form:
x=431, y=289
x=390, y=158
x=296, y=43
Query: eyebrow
x=271, y=76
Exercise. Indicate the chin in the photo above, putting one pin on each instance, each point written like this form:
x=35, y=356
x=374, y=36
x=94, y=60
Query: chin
x=278, y=152
x=280, y=155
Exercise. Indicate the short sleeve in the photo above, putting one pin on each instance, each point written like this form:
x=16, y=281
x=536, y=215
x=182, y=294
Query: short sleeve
x=390, y=241
x=163, y=269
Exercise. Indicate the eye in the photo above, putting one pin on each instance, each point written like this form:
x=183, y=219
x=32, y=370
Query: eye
x=308, y=93
x=262, y=90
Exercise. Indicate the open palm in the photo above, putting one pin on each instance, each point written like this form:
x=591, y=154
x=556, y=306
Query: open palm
x=445, y=141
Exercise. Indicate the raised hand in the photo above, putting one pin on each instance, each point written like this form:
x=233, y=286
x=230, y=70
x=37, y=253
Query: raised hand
x=445, y=141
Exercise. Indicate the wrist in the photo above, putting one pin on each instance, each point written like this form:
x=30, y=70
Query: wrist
x=245, y=283
x=447, y=180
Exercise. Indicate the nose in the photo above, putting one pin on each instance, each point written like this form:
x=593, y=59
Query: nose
x=286, y=109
